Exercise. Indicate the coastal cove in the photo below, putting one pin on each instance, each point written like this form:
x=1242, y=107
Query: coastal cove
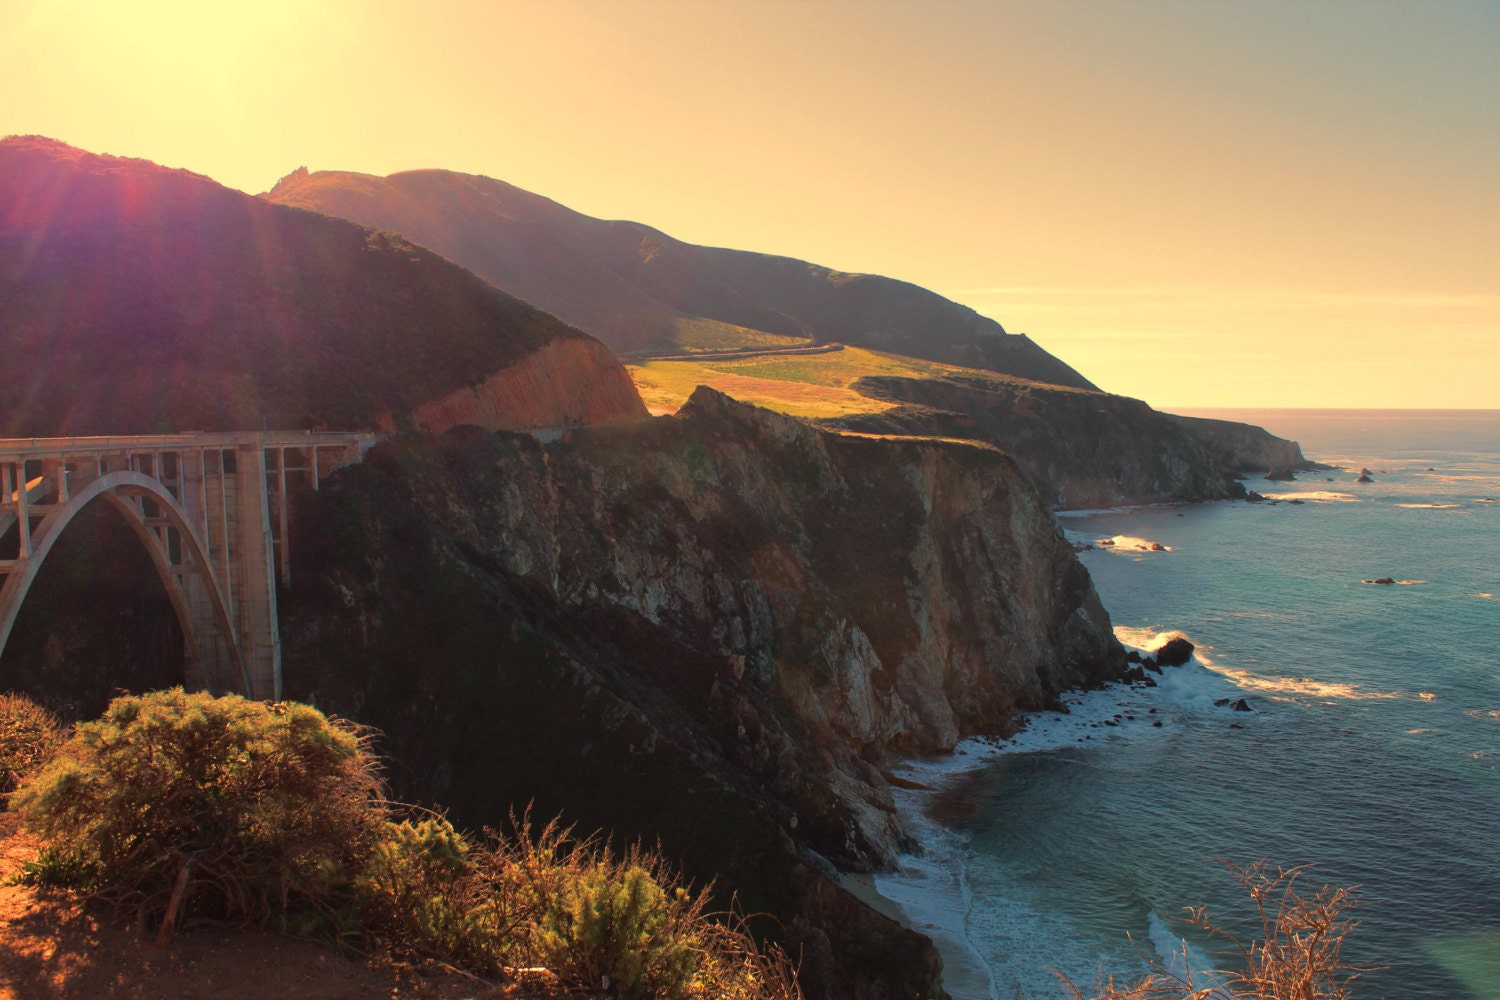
x=1372, y=749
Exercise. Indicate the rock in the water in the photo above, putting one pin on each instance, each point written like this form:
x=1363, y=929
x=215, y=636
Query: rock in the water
x=1133, y=656
x=1253, y=496
x=1282, y=474
x=1384, y=581
x=1297, y=501
x=1221, y=702
x=1082, y=547
x=1364, y=477
x=1175, y=653
x=1241, y=706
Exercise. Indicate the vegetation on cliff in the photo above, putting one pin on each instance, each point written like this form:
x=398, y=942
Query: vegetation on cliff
x=183, y=808
x=137, y=299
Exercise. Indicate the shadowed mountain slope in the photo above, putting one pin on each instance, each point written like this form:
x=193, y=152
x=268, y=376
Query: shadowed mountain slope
x=641, y=291
x=134, y=298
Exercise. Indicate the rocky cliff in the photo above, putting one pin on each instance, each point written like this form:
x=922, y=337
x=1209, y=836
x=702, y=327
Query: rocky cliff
x=1083, y=449
x=1244, y=447
x=710, y=629
x=137, y=299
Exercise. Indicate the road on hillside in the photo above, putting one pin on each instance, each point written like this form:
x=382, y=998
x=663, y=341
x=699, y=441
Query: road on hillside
x=736, y=354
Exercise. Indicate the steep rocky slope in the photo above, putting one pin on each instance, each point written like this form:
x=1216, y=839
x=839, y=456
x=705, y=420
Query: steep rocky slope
x=710, y=629
x=1082, y=449
x=638, y=289
x=136, y=299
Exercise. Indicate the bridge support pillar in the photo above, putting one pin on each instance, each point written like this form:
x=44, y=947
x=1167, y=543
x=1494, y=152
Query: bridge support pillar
x=255, y=574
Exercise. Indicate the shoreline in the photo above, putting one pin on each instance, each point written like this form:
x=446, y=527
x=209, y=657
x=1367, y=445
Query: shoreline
x=928, y=891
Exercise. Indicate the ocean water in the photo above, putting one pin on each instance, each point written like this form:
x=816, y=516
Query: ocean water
x=1372, y=751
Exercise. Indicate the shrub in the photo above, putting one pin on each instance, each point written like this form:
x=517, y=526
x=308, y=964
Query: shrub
x=614, y=924
x=544, y=897
x=29, y=736
x=181, y=805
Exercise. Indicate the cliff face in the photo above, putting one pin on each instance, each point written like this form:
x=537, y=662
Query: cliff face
x=1244, y=447
x=711, y=629
x=638, y=289
x=1083, y=449
x=137, y=299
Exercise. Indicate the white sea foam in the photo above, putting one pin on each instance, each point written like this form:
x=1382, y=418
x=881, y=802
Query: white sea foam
x=933, y=895
x=1130, y=543
x=1180, y=959
x=1431, y=506
x=1315, y=496
x=1308, y=687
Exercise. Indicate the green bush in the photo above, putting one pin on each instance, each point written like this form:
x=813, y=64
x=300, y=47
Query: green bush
x=184, y=805
x=614, y=924
x=29, y=736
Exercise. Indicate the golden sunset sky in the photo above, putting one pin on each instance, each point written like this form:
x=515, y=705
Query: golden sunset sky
x=1200, y=204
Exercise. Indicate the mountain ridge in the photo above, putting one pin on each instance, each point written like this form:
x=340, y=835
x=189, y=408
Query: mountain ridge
x=139, y=299
x=642, y=291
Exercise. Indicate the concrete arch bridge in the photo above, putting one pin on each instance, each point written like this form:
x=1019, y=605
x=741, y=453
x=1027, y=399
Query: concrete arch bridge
x=211, y=511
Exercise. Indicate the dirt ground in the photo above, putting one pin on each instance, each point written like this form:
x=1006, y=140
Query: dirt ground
x=54, y=948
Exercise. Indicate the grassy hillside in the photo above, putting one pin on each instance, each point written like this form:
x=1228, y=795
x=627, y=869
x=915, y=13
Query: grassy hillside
x=134, y=298
x=641, y=291
x=802, y=385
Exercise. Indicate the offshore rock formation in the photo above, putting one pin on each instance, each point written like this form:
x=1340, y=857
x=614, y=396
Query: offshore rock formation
x=137, y=299
x=712, y=630
x=1083, y=449
x=640, y=290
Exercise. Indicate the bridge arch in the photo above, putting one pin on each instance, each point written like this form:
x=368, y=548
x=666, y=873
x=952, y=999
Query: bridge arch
x=126, y=492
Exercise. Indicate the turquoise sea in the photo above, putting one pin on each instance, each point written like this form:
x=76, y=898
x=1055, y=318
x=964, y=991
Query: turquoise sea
x=1372, y=751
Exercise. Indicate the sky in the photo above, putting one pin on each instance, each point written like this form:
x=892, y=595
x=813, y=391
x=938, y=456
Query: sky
x=1199, y=204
